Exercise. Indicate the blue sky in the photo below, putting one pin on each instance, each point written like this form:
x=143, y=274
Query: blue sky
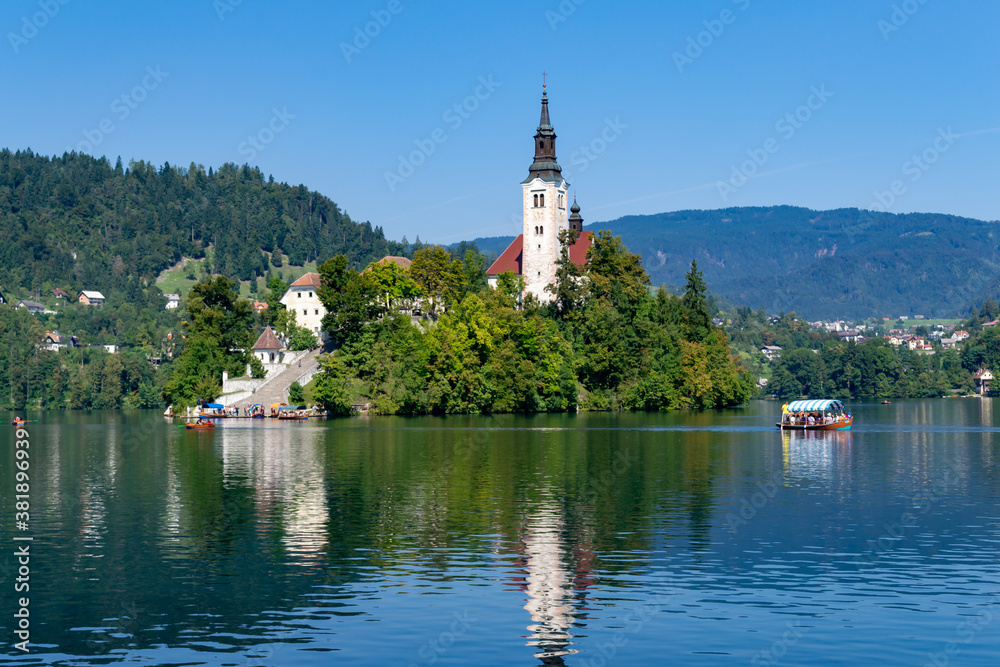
x=659, y=106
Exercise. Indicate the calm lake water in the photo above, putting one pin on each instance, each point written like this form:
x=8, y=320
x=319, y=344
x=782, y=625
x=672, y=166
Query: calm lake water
x=581, y=540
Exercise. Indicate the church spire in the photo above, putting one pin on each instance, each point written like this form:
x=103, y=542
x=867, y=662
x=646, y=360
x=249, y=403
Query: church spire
x=575, y=220
x=545, y=166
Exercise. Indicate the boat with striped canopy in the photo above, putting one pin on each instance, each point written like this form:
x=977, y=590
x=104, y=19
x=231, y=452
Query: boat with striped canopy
x=816, y=415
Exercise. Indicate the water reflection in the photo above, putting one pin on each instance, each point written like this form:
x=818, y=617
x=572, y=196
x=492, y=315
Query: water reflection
x=350, y=542
x=816, y=455
x=548, y=583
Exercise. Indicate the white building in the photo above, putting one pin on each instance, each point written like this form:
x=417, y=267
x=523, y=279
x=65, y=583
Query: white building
x=303, y=298
x=268, y=348
x=173, y=301
x=546, y=212
x=772, y=352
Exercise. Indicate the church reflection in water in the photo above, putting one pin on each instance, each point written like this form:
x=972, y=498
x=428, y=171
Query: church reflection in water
x=554, y=577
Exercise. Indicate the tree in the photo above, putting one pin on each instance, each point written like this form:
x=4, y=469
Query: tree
x=569, y=289
x=349, y=298
x=441, y=279
x=699, y=320
x=302, y=339
x=296, y=394
x=392, y=284
x=331, y=386
x=219, y=338
x=616, y=274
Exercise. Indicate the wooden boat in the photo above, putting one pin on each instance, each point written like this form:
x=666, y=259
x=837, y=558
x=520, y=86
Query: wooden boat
x=213, y=411
x=886, y=402
x=193, y=426
x=817, y=415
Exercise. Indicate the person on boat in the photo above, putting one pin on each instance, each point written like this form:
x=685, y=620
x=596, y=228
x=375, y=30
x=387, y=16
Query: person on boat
x=18, y=421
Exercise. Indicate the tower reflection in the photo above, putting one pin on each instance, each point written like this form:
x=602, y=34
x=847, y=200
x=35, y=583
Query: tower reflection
x=554, y=577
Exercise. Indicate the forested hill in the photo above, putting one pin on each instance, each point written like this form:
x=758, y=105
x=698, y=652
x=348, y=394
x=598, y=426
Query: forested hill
x=80, y=223
x=844, y=263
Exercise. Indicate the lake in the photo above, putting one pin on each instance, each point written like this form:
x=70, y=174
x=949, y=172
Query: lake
x=581, y=540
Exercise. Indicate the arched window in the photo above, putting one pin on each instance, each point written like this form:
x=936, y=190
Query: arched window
x=541, y=230
x=541, y=201
x=536, y=201
x=541, y=145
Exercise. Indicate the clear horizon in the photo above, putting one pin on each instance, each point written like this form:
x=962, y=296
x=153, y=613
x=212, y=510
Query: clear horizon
x=420, y=118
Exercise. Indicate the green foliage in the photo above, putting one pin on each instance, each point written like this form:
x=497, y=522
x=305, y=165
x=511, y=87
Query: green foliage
x=219, y=338
x=393, y=285
x=296, y=394
x=872, y=370
x=331, y=386
x=76, y=222
x=606, y=339
x=441, y=279
x=696, y=315
x=350, y=299
x=302, y=339
x=72, y=378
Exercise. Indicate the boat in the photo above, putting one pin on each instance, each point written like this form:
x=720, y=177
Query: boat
x=886, y=402
x=193, y=426
x=816, y=415
x=17, y=422
x=293, y=412
x=276, y=409
x=213, y=411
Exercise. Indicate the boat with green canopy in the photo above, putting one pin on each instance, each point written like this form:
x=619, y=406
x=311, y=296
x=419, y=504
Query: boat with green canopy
x=815, y=415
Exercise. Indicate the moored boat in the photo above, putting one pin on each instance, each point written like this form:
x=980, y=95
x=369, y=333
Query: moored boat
x=213, y=411
x=816, y=415
x=199, y=425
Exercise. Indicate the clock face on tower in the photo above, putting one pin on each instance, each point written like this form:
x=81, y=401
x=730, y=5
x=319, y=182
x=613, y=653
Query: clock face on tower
x=537, y=213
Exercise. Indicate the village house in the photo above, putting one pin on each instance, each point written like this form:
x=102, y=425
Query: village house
x=259, y=306
x=983, y=377
x=33, y=307
x=59, y=294
x=772, y=352
x=90, y=298
x=302, y=298
x=54, y=341
x=173, y=301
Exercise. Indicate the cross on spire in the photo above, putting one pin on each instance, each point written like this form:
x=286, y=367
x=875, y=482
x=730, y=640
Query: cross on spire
x=545, y=82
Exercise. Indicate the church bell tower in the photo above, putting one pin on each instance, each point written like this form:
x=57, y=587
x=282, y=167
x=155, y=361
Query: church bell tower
x=546, y=210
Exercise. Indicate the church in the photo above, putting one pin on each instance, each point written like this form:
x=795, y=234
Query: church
x=545, y=192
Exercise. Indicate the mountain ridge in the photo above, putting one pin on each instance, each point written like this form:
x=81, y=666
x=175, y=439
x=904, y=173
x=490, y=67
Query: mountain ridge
x=821, y=264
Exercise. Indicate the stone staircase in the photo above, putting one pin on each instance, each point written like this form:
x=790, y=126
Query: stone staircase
x=276, y=389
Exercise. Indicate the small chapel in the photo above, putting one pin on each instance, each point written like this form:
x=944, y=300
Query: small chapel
x=547, y=212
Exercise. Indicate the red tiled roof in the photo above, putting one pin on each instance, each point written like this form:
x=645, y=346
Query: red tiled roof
x=308, y=280
x=510, y=260
x=578, y=251
x=268, y=341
